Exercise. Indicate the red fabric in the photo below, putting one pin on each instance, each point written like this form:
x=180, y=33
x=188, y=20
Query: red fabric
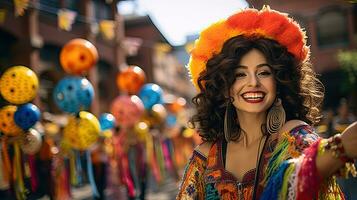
x=309, y=178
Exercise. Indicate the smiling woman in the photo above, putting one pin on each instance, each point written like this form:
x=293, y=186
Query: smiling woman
x=254, y=87
x=257, y=95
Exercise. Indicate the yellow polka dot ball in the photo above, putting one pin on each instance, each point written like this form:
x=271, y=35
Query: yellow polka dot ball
x=82, y=131
x=18, y=85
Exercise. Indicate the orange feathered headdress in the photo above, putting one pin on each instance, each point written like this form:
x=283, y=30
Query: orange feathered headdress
x=266, y=23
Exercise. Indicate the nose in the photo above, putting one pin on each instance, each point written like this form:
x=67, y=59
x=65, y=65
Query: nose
x=253, y=81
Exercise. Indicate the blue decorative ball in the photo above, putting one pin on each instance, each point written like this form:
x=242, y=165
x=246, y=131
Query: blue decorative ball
x=27, y=116
x=171, y=120
x=150, y=94
x=73, y=94
x=106, y=121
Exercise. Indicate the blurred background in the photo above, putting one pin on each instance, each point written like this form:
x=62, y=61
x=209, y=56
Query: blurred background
x=156, y=36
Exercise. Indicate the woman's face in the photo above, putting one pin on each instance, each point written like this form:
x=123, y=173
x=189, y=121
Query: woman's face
x=254, y=89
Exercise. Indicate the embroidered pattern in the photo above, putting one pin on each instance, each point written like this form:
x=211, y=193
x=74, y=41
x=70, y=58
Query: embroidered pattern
x=280, y=173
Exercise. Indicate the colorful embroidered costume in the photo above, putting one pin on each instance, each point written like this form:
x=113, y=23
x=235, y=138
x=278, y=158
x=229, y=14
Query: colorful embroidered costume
x=289, y=172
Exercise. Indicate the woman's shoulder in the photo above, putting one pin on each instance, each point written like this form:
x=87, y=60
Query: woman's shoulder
x=302, y=133
x=204, y=148
x=293, y=124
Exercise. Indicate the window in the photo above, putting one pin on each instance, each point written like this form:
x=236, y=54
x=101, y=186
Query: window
x=72, y=5
x=101, y=10
x=104, y=70
x=332, y=28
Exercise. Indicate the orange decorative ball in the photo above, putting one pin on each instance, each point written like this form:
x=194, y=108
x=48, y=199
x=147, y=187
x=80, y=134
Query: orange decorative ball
x=131, y=79
x=177, y=105
x=7, y=122
x=78, y=56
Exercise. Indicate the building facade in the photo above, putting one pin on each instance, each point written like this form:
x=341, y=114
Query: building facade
x=34, y=40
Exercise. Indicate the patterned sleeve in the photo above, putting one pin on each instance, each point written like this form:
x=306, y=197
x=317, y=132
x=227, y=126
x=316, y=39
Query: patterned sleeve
x=291, y=171
x=192, y=185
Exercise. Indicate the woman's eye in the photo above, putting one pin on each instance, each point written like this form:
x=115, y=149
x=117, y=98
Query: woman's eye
x=240, y=75
x=265, y=73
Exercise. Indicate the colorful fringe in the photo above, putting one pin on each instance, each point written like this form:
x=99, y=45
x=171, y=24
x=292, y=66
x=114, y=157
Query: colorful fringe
x=290, y=173
x=309, y=179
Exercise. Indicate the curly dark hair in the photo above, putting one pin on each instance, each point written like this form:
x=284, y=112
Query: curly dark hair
x=297, y=85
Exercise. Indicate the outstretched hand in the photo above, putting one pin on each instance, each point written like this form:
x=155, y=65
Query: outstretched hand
x=349, y=140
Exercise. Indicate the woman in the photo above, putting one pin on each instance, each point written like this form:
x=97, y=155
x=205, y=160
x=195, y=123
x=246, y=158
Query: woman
x=257, y=95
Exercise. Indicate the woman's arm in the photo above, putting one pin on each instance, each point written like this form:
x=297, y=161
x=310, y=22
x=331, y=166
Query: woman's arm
x=294, y=170
x=327, y=164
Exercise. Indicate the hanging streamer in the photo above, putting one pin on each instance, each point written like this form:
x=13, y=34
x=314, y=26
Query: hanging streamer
x=19, y=185
x=34, y=177
x=160, y=157
x=72, y=168
x=4, y=182
x=60, y=177
x=167, y=158
x=6, y=160
x=149, y=147
x=20, y=7
x=65, y=19
x=127, y=178
x=171, y=151
x=155, y=166
x=26, y=167
x=161, y=49
x=131, y=45
x=132, y=155
x=151, y=158
x=107, y=29
x=78, y=167
x=90, y=174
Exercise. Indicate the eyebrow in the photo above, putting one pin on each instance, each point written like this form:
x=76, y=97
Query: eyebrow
x=258, y=66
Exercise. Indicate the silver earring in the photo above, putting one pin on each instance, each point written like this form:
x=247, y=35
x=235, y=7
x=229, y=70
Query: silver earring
x=229, y=121
x=276, y=117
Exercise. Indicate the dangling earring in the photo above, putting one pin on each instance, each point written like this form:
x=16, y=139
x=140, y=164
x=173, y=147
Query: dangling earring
x=276, y=117
x=229, y=121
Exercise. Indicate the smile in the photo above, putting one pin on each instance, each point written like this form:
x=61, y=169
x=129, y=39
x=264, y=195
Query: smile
x=253, y=97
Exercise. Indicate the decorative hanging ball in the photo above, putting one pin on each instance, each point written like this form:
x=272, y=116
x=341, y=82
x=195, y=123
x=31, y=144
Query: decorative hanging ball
x=73, y=94
x=106, y=121
x=127, y=110
x=159, y=114
x=188, y=133
x=131, y=79
x=27, y=115
x=177, y=105
x=171, y=120
x=78, y=56
x=141, y=129
x=82, y=131
x=150, y=94
x=7, y=123
x=18, y=85
x=31, y=142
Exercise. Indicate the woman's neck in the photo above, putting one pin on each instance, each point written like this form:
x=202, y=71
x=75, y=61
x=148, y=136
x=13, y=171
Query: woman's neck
x=251, y=124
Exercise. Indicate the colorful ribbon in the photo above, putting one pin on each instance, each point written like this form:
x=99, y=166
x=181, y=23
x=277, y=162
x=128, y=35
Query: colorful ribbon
x=90, y=174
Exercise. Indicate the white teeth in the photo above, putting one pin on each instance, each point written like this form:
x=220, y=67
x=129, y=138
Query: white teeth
x=253, y=95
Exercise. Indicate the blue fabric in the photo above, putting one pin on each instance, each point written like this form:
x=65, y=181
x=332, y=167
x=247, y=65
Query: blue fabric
x=275, y=182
